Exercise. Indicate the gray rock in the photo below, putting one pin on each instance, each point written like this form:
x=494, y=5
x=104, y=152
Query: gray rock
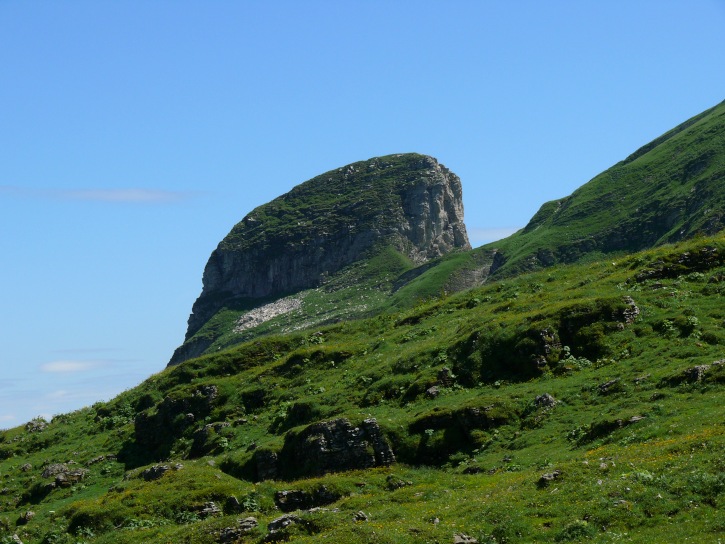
x=291, y=500
x=209, y=509
x=155, y=472
x=550, y=341
x=203, y=436
x=109, y=457
x=67, y=479
x=247, y=524
x=360, y=516
x=36, y=425
x=460, y=538
x=393, y=482
x=288, y=501
x=445, y=377
x=25, y=517
x=696, y=373
x=631, y=312
x=266, y=464
x=333, y=446
x=232, y=504
x=232, y=534
x=545, y=401
x=154, y=429
x=16, y=539
x=433, y=392
x=549, y=477
x=27, y=467
x=53, y=469
x=609, y=386
x=283, y=522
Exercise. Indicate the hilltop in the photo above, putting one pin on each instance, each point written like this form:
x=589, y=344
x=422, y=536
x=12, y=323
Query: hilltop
x=399, y=211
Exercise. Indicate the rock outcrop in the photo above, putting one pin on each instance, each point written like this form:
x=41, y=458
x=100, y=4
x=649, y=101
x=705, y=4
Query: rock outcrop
x=325, y=447
x=294, y=242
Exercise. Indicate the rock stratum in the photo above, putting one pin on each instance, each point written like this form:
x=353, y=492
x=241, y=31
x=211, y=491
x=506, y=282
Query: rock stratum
x=409, y=202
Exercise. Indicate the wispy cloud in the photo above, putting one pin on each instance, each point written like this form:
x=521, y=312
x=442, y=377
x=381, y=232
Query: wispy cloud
x=127, y=195
x=485, y=235
x=60, y=394
x=64, y=367
x=87, y=350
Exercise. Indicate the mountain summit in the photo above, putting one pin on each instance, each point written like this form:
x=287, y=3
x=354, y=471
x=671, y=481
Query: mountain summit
x=408, y=202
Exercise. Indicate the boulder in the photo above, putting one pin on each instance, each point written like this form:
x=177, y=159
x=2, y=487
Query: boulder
x=68, y=479
x=333, y=446
x=277, y=525
x=545, y=401
x=288, y=501
x=25, y=517
x=549, y=477
x=609, y=387
x=232, y=534
x=360, y=516
x=209, y=509
x=53, y=469
x=433, y=392
x=155, y=472
x=266, y=464
x=36, y=425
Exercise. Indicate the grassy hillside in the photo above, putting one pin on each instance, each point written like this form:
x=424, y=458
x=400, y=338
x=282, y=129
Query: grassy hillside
x=671, y=189
x=580, y=402
x=384, y=281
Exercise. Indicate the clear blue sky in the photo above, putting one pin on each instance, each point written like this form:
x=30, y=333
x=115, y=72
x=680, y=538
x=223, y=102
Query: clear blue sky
x=134, y=135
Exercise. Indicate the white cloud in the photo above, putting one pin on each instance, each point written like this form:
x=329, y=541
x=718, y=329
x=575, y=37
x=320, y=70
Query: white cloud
x=480, y=236
x=69, y=366
x=124, y=195
x=129, y=195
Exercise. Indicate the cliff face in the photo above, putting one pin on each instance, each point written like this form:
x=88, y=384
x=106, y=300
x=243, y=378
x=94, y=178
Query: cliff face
x=409, y=201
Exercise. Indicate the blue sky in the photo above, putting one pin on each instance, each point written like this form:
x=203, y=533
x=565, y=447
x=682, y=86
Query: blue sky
x=134, y=135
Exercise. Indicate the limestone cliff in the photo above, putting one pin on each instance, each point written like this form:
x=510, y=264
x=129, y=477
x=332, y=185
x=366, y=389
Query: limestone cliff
x=294, y=242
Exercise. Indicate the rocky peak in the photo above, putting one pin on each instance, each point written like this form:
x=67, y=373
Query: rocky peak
x=409, y=201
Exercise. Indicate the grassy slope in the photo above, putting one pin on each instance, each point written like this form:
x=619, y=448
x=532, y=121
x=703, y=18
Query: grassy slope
x=656, y=479
x=669, y=190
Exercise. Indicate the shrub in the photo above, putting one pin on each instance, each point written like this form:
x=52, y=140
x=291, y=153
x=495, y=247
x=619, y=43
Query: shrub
x=576, y=530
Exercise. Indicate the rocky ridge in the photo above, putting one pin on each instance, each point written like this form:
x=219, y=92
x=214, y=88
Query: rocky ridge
x=408, y=201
